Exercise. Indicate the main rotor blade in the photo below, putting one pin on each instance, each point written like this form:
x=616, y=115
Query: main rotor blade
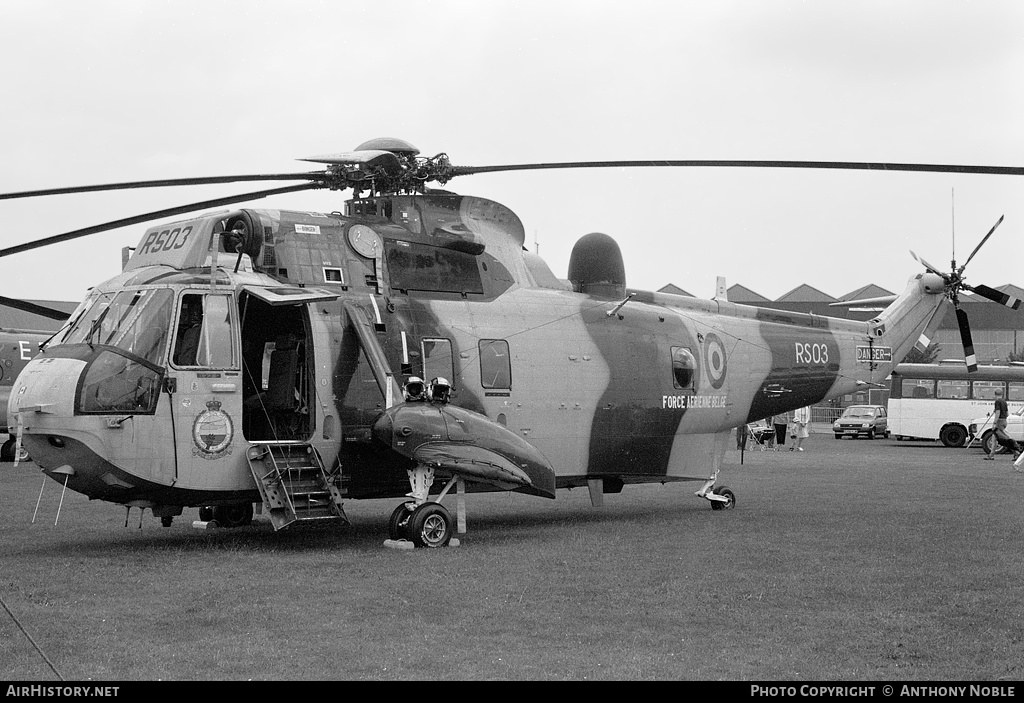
x=995, y=296
x=840, y=165
x=983, y=240
x=310, y=176
x=153, y=216
x=33, y=308
x=965, y=336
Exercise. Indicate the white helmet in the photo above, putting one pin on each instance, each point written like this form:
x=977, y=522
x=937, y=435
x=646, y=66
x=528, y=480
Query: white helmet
x=414, y=388
x=440, y=390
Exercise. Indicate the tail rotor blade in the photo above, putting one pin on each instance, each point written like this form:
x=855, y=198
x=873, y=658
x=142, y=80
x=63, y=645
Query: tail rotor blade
x=982, y=242
x=928, y=266
x=965, y=336
x=995, y=296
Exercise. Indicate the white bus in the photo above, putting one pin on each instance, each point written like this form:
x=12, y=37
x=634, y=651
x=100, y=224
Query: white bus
x=938, y=401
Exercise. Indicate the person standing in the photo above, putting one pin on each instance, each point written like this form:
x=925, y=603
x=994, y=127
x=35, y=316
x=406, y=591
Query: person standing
x=801, y=425
x=781, y=424
x=1000, y=413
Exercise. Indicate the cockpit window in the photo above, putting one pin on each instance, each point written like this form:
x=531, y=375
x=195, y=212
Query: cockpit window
x=203, y=337
x=117, y=384
x=135, y=321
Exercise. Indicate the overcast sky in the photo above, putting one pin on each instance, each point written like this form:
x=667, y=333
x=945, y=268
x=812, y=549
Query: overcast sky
x=104, y=91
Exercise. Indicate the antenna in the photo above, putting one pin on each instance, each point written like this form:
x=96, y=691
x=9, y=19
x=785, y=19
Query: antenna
x=952, y=225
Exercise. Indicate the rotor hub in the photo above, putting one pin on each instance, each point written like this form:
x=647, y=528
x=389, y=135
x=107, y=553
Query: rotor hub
x=395, y=146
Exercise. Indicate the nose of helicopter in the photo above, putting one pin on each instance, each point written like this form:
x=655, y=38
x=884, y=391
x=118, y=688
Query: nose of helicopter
x=42, y=391
x=70, y=449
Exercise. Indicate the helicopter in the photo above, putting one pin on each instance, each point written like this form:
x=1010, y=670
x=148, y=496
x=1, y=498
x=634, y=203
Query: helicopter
x=412, y=347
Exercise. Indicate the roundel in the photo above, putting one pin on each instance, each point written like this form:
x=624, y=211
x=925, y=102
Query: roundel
x=715, y=362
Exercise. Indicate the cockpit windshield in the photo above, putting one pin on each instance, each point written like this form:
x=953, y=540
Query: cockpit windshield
x=135, y=321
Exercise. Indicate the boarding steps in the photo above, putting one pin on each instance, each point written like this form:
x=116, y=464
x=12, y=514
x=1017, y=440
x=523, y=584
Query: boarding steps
x=294, y=484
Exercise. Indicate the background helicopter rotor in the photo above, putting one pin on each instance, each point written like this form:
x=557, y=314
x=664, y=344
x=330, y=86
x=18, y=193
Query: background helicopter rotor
x=34, y=308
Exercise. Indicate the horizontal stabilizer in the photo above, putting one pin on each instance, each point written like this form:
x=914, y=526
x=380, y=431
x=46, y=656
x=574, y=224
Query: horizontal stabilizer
x=882, y=300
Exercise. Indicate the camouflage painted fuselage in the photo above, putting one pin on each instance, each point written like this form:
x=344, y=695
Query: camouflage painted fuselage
x=440, y=285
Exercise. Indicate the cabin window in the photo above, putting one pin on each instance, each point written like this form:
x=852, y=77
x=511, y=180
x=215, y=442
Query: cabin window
x=684, y=367
x=427, y=268
x=333, y=275
x=985, y=390
x=917, y=388
x=958, y=390
x=437, y=360
x=495, y=365
x=203, y=337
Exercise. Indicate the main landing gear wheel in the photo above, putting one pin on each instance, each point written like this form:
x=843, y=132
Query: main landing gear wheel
x=398, y=524
x=430, y=525
x=730, y=499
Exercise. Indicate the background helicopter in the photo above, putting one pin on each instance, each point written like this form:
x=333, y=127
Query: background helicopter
x=307, y=325
x=17, y=347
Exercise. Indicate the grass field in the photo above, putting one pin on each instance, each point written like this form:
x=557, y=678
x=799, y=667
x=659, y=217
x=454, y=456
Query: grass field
x=853, y=560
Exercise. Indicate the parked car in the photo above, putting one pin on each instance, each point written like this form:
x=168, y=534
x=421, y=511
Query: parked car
x=982, y=428
x=868, y=420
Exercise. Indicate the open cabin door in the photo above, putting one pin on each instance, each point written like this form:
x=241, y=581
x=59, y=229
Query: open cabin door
x=278, y=361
